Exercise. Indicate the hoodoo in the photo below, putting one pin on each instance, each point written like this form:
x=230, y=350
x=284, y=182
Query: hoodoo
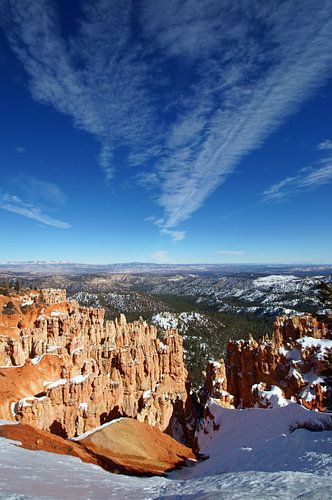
x=66, y=370
x=294, y=365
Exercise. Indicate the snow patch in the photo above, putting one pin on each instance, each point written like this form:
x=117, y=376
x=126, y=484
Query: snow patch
x=274, y=279
x=37, y=359
x=323, y=346
x=51, y=348
x=273, y=397
x=55, y=383
x=78, y=379
x=27, y=303
x=95, y=429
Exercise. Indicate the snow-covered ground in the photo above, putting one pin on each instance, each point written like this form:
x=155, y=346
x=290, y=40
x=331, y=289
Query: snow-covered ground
x=253, y=454
x=262, y=440
x=117, y=302
x=274, y=279
x=247, y=293
x=181, y=321
x=270, y=295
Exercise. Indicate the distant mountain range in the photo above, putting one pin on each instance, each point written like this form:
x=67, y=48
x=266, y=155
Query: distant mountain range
x=64, y=267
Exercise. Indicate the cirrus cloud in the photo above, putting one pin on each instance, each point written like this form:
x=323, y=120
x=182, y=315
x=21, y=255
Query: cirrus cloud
x=305, y=179
x=14, y=204
x=187, y=91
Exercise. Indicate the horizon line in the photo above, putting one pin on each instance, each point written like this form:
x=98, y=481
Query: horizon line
x=160, y=264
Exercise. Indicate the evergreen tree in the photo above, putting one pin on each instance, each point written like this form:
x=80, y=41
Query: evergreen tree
x=4, y=288
x=17, y=286
x=325, y=294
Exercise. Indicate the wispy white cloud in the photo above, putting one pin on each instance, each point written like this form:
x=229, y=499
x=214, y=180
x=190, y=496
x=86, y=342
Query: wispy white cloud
x=94, y=76
x=240, y=69
x=231, y=252
x=175, y=235
x=246, y=85
x=305, y=179
x=33, y=198
x=325, y=145
x=13, y=203
x=20, y=149
x=147, y=179
x=36, y=190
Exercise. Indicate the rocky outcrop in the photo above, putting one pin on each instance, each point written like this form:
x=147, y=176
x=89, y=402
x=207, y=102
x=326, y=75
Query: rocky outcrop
x=289, y=329
x=65, y=369
x=215, y=384
x=125, y=446
x=53, y=295
x=104, y=369
x=136, y=447
x=295, y=364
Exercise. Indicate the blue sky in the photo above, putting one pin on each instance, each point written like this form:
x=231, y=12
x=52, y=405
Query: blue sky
x=166, y=131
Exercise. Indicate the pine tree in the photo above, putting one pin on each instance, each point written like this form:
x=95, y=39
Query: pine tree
x=17, y=286
x=325, y=294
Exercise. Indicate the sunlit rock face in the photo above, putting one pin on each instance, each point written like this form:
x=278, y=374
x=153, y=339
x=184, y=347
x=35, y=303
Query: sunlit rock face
x=67, y=370
x=295, y=365
x=122, y=445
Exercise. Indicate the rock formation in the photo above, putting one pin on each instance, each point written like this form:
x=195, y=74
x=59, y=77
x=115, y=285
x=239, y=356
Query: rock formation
x=294, y=365
x=67, y=370
x=215, y=385
x=125, y=446
x=53, y=296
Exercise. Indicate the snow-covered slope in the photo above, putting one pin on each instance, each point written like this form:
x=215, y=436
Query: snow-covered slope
x=120, y=302
x=269, y=295
x=264, y=440
x=181, y=321
x=253, y=454
x=29, y=475
x=254, y=292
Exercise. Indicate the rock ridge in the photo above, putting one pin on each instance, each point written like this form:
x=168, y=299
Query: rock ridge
x=294, y=364
x=78, y=371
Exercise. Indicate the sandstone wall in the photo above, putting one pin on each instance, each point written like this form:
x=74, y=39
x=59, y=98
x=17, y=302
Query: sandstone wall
x=107, y=369
x=53, y=296
x=293, y=365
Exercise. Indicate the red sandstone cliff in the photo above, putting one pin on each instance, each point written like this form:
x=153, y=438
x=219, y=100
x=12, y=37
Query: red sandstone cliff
x=67, y=370
x=293, y=365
